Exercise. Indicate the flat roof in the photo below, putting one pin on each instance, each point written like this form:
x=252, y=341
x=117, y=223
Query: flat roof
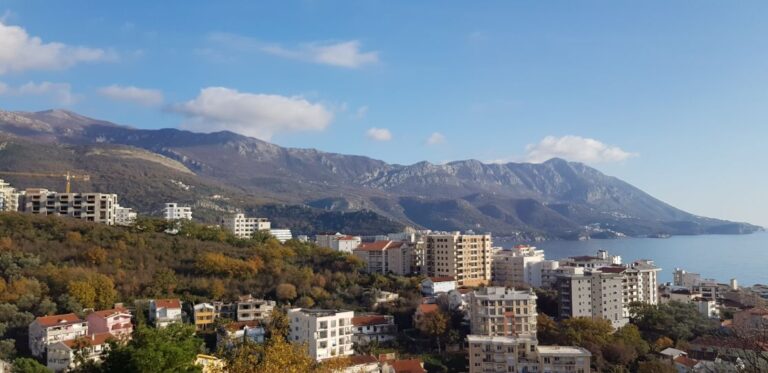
x=563, y=350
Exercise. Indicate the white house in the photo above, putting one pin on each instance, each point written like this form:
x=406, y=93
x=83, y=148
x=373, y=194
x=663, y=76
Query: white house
x=431, y=286
x=236, y=332
x=47, y=330
x=327, y=333
x=124, y=216
x=163, y=312
x=369, y=328
x=61, y=355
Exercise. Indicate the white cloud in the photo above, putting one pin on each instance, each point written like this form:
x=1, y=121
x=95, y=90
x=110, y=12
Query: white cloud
x=141, y=96
x=435, y=138
x=379, y=134
x=20, y=52
x=252, y=114
x=61, y=93
x=574, y=148
x=347, y=54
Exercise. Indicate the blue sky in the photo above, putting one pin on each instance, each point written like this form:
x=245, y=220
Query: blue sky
x=669, y=96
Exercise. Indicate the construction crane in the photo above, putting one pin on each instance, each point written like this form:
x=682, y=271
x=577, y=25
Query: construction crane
x=68, y=176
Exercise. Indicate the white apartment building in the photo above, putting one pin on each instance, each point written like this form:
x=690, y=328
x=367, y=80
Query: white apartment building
x=95, y=207
x=163, y=312
x=466, y=257
x=47, y=330
x=174, y=212
x=432, y=286
x=281, y=235
x=9, y=198
x=243, y=227
x=369, y=328
x=520, y=266
x=591, y=293
x=502, y=354
x=681, y=277
x=327, y=333
x=124, y=216
x=386, y=256
x=502, y=311
x=338, y=242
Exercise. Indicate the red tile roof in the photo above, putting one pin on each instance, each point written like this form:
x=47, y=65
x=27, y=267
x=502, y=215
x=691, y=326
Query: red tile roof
x=108, y=313
x=362, y=359
x=91, y=340
x=407, y=366
x=369, y=320
x=427, y=308
x=167, y=303
x=686, y=361
x=53, y=320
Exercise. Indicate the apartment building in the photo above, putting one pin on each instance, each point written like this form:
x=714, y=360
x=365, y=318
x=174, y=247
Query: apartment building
x=602, y=259
x=503, y=354
x=249, y=308
x=116, y=321
x=432, y=286
x=373, y=328
x=173, y=211
x=563, y=359
x=9, y=198
x=385, y=257
x=327, y=333
x=520, y=266
x=244, y=227
x=95, y=207
x=281, y=235
x=47, y=330
x=124, y=216
x=591, y=293
x=203, y=315
x=501, y=311
x=61, y=355
x=338, y=242
x=681, y=277
x=466, y=257
x=163, y=312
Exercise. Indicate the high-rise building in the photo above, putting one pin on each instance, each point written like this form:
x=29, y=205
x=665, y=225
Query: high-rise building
x=243, y=227
x=466, y=257
x=502, y=311
x=327, y=333
x=339, y=242
x=95, y=207
x=386, y=256
x=591, y=293
x=9, y=198
x=173, y=212
x=521, y=266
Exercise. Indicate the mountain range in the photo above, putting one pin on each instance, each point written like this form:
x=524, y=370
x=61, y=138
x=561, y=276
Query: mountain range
x=310, y=191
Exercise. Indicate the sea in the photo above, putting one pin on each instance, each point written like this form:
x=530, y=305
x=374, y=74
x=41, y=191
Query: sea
x=721, y=257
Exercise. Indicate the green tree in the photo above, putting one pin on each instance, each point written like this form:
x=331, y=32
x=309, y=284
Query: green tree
x=170, y=349
x=165, y=282
x=27, y=365
x=655, y=366
x=278, y=324
x=433, y=324
x=286, y=292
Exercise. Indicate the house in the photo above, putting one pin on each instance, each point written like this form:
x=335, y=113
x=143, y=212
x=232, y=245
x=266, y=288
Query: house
x=669, y=354
x=225, y=310
x=250, y=309
x=163, y=312
x=424, y=309
x=61, y=355
x=116, y=321
x=362, y=364
x=369, y=328
x=432, y=286
x=236, y=332
x=327, y=333
x=204, y=315
x=47, y=330
x=404, y=366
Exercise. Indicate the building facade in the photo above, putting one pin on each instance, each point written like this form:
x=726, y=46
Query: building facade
x=593, y=294
x=116, y=321
x=501, y=311
x=9, y=198
x=249, y=308
x=174, y=212
x=244, y=227
x=95, y=207
x=373, y=328
x=163, y=312
x=327, y=333
x=385, y=257
x=203, y=315
x=47, y=330
x=338, y=242
x=466, y=257
x=281, y=235
x=521, y=266
x=61, y=355
x=124, y=216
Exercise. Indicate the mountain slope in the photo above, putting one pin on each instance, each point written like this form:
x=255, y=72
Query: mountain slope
x=555, y=198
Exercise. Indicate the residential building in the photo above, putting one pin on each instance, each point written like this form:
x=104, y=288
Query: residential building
x=116, y=321
x=403, y=366
x=243, y=227
x=9, y=198
x=563, y=359
x=203, y=315
x=681, y=277
x=236, y=332
x=61, y=355
x=639, y=282
x=521, y=266
x=249, y=308
x=163, y=312
x=466, y=257
x=501, y=311
x=591, y=293
x=225, y=310
x=385, y=256
x=281, y=235
x=338, y=242
x=432, y=286
x=47, y=330
x=503, y=354
x=327, y=333
x=602, y=259
x=376, y=328
x=95, y=207
x=124, y=216
x=174, y=212
x=361, y=364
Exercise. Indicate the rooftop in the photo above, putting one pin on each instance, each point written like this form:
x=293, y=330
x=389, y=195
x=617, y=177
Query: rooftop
x=563, y=350
x=362, y=359
x=407, y=366
x=365, y=320
x=442, y=279
x=319, y=312
x=54, y=320
x=427, y=308
x=379, y=245
x=167, y=303
x=112, y=312
x=91, y=340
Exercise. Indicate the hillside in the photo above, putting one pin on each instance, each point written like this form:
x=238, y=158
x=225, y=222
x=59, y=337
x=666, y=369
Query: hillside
x=552, y=199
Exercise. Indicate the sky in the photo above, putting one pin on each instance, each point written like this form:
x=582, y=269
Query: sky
x=671, y=96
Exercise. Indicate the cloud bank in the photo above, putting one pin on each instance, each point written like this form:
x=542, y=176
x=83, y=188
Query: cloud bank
x=141, y=96
x=574, y=148
x=435, y=138
x=60, y=93
x=379, y=134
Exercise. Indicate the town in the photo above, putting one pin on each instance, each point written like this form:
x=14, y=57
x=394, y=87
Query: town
x=483, y=302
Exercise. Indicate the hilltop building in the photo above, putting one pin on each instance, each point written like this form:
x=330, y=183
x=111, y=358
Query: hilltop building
x=95, y=207
x=47, y=330
x=9, y=198
x=173, y=212
x=163, y=312
x=243, y=227
x=338, y=242
x=124, y=216
x=281, y=235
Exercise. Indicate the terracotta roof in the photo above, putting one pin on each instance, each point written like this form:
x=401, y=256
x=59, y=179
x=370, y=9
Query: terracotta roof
x=427, y=308
x=369, y=320
x=442, y=279
x=167, y=303
x=108, y=313
x=53, y=320
x=91, y=340
x=407, y=366
x=379, y=245
x=362, y=359
x=686, y=361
